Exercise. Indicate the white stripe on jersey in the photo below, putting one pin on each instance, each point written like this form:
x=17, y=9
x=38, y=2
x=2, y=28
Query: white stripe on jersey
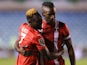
x=56, y=41
x=67, y=37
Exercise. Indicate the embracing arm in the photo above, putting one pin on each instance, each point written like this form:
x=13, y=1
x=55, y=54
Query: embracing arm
x=70, y=51
x=21, y=50
x=45, y=52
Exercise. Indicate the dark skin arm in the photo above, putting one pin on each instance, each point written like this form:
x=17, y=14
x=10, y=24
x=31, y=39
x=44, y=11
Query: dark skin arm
x=70, y=51
x=21, y=50
x=17, y=48
x=45, y=52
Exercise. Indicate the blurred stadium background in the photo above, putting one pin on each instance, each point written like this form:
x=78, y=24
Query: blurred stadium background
x=12, y=14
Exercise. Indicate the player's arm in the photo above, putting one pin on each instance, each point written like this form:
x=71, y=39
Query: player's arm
x=21, y=50
x=45, y=52
x=68, y=42
x=70, y=51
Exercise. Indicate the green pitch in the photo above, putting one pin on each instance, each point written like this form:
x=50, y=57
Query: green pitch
x=12, y=61
x=8, y=61
x=78, y=62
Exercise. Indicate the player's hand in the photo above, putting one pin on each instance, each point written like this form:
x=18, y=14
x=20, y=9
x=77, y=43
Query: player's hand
x=28, y=53
x=22, y=51
x=59, y=53
x=25, y=52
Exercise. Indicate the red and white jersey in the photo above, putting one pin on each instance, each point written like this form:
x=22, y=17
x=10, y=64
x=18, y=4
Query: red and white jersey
x=30, y=39
x=54, y=37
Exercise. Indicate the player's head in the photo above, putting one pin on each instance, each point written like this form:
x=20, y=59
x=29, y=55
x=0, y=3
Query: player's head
x=48, y=11
x=34, y=18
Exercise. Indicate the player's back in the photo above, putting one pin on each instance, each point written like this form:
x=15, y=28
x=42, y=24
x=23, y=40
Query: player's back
x=27, y=35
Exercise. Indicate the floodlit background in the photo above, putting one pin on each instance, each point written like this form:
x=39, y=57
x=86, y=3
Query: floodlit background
x=12, y=14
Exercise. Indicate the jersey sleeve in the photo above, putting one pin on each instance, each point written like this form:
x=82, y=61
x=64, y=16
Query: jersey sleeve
x=40, y=43
x=66, y=32
x=23, y=35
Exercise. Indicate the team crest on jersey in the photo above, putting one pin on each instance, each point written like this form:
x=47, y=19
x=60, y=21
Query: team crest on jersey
x=41, y=41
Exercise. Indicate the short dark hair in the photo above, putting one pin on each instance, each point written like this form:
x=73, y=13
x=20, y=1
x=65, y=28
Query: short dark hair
x=48, y=4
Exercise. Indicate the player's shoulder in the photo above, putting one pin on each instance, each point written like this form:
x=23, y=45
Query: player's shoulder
x=61, y=24
x=40, y=39
x=24, y=27
x=24, y=24
x=37, y=35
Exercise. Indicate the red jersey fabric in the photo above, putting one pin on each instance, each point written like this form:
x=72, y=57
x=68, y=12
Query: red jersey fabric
x=48, y=34
x=31, y=40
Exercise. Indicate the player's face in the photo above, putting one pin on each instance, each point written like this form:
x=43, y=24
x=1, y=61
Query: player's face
x=49, y=14
x=37, y=22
